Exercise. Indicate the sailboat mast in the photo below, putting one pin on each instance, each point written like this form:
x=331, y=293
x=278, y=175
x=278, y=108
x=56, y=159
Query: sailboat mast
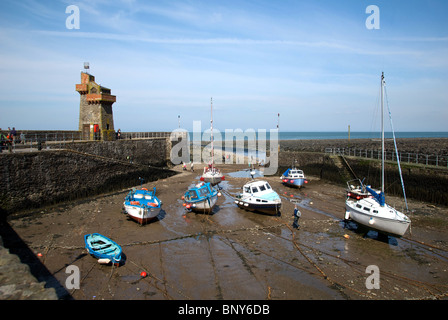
x=382, y=134
x=211, y=122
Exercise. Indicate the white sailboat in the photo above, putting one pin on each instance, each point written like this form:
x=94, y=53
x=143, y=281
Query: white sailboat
x=374, y=213
x=211, y=173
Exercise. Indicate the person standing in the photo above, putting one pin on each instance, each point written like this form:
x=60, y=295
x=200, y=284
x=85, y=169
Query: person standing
x=297, y=215
x=96, y=131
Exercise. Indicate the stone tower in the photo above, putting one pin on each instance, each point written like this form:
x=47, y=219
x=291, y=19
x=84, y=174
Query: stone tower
x=96, y=121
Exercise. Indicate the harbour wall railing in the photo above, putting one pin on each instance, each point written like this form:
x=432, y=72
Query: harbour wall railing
x=36, y=139
x=405, y=157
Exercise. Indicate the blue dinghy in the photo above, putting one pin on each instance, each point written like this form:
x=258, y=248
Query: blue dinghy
x=103, y=248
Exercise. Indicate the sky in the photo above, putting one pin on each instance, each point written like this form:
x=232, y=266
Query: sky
x=316, y=63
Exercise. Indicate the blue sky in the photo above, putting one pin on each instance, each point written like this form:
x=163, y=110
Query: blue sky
x=314, y=62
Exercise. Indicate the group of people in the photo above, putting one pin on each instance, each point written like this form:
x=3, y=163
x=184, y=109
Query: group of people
x=184, y=166
x=7, y=140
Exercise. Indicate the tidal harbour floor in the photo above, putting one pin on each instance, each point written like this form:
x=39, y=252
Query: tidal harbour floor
x=236, y=254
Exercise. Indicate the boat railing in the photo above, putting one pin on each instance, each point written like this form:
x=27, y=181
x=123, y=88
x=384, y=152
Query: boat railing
x=438, y=160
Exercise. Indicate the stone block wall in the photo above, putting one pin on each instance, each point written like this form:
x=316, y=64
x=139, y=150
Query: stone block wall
x=33, y=179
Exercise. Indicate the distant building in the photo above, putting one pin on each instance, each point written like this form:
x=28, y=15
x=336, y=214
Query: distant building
x=96, y=121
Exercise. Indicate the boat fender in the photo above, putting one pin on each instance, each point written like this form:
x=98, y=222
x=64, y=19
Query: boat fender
x=371, y=221
x=104, y=261
x=219, y=194
x=347, y=215
x=145, y=189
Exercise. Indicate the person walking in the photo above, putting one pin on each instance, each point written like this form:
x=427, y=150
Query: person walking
x=297, y=215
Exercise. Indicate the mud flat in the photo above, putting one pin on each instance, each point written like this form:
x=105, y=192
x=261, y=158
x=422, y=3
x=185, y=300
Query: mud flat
x=232, y=253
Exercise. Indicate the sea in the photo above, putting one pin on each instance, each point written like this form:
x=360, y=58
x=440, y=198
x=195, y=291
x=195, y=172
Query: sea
x=261, y=156
x=319, y=135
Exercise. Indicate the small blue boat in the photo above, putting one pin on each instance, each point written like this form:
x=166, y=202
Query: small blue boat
x=294, y=177
x=201, y=198
x=103, y=248
x=142, y=205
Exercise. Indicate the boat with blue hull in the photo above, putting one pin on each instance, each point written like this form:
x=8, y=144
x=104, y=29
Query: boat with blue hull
x=259, y=196
x=294, y=177
x=201, y=198
x=103, y=248
x=142, y=205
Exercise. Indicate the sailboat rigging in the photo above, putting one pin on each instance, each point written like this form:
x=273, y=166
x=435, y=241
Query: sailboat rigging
x=374, y=213
x=211, y=173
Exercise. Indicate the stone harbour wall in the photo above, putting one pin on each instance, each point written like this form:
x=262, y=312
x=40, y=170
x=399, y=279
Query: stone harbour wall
x=152, y=151
x=422, y=183
x=17, y=282
x=34, y=179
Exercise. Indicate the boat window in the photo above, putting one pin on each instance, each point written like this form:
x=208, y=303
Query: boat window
x=247, y=189
x=203, y=192
x=254, y=189
x=268, y=186
x=358, y=206
x=258, y=200
x=192, y=194
x=264, y=200
x=375, y=211
x=366, y=209
x=262, y=188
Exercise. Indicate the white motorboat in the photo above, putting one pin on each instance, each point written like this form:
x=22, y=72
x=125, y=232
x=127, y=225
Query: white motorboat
x=258, y=196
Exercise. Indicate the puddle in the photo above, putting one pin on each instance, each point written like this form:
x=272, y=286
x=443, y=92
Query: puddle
x=305, y=203
x=246, y=174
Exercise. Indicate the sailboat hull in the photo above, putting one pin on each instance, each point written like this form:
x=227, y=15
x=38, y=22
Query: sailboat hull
x=213, y=180
x=388, y=221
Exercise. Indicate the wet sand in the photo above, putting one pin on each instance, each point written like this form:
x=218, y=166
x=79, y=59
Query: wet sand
x=236, y=254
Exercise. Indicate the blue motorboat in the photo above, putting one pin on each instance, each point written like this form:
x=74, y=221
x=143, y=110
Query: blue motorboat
x=201, y=198
x=103, y=248
x=294, y=177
